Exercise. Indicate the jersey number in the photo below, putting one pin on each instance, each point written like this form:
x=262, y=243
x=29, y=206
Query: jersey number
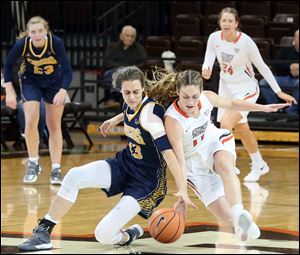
x=45, y=70
x=227, y=69
x=135, y=150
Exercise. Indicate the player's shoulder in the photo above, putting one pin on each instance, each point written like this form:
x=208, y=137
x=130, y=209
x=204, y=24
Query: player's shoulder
x=216, y=35
x=153, y=107
x=55, y=38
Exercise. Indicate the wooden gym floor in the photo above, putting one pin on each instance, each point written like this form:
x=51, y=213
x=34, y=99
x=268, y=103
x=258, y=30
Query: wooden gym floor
x=273, y=202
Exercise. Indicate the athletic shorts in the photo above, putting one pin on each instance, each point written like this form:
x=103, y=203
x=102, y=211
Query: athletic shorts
x=33, y=90
x=247, y=91
x=126, y=179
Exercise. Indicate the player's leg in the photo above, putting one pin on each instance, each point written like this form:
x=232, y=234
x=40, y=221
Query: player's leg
x=244, y=225
x=53, y=120
x=32, y=113
x=93, y=175
x=31, y=96
x=258, y=166
x=109, y=230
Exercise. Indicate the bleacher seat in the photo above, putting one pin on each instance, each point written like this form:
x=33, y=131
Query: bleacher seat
x=257, y=8
x=189, y=49
x=185, y=7
x=215, y=7
x=285, y=7
x=185, y=25
x=211, y=24
x=287, y=18
x=253, y=26
x=156, y=45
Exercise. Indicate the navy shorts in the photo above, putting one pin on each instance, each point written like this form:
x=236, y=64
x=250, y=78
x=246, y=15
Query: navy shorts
x=34, y=90
x=126, y=179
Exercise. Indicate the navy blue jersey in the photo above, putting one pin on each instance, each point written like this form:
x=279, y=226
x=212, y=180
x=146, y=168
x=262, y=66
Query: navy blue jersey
x=142, y=149
x=140, y=169
x=43, y=65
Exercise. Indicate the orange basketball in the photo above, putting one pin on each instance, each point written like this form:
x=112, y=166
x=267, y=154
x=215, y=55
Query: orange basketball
x=166, y=225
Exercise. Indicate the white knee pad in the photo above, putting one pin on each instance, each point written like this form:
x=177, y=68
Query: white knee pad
x=68, y=189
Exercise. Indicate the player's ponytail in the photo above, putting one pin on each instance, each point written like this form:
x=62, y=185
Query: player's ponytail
x=165, y=84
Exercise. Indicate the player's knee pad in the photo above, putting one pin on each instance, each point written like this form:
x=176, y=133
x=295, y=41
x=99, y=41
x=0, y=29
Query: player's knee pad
x=71, y=178
x=68, y=189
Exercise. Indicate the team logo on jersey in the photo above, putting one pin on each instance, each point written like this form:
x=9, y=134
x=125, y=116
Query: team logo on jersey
x=236, y=50
x=200, y=130
x=136, y=122
x=226, y=58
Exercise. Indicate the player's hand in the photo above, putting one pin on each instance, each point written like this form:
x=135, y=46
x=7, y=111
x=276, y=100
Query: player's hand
x=11, y=99
x=180, y=206
x=287, y=98
x=183, y=202
x=106, y=127
x=60, y=97
x=206, y=73
x=274, y=107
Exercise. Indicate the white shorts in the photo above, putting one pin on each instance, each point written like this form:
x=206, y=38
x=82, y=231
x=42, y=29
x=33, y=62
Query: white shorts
x=206, y=183
x=208, y=187
x=247, y=91
x=202, y=159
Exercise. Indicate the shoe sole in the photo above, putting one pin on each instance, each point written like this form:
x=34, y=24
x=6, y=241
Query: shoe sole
x=55, y=182
x=37, y=247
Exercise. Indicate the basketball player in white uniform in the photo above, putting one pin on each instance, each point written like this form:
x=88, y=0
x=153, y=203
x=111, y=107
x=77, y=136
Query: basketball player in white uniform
x=207, y=153
x=235, y=52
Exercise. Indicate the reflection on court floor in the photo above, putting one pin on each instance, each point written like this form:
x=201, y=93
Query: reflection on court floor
x=199, y=239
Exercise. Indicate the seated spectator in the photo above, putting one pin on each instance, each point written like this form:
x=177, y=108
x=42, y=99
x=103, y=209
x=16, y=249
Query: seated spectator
x=126, y=52
x=286, y=67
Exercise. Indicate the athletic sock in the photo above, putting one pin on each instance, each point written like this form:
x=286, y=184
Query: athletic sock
x=49, y=225
x=256, y=158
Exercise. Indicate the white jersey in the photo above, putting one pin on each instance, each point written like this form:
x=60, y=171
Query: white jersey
x=198, y=133
x=235, y=59
x=201, y=140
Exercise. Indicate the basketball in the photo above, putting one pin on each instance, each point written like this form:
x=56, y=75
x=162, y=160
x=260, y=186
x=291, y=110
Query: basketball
x=166, y=225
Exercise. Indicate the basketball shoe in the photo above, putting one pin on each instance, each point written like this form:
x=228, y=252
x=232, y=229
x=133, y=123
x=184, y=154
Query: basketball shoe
x=40, y=240
x=134, y=233
x=33, y=170
x=256, y=172
x=56, y=177
x=245, y=227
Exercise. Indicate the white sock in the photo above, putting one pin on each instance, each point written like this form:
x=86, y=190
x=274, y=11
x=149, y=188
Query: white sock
x=34, y=160
x=236, y=209
x=48, y=217
x=256, y=158
x=54, y=166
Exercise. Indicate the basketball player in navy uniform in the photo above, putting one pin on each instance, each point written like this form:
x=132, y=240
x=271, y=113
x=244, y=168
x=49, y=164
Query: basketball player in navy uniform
x=138, y=172
x=45, y=73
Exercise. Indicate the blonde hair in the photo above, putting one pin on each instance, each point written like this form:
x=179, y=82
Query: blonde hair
x=165, y=84
x=31, y=21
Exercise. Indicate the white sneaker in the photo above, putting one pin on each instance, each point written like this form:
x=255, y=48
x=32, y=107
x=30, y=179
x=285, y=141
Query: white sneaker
x=256, y=172
x=245, y=227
